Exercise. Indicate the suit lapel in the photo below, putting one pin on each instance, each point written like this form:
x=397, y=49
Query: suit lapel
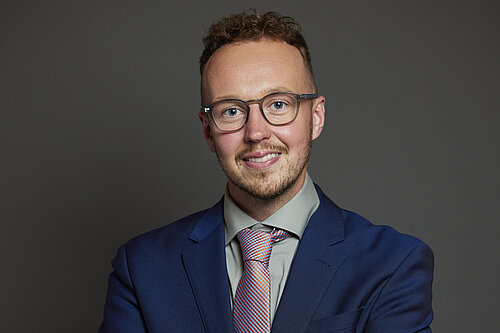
x=205, y=264
x=315, y=263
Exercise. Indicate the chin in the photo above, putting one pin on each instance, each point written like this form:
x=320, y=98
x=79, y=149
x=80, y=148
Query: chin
x=264, y=185
x=268, y=184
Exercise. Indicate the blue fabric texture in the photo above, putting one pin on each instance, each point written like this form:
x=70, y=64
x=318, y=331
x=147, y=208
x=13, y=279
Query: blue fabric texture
x=348, y=275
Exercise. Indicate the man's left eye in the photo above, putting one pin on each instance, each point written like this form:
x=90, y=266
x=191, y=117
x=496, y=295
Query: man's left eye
x=278, y=105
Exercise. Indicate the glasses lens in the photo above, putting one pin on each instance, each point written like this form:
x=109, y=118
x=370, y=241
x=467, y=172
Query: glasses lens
x=229, y=115
x=280, y=108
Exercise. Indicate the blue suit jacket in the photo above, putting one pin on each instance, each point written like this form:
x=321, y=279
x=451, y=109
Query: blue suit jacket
x=348, y=275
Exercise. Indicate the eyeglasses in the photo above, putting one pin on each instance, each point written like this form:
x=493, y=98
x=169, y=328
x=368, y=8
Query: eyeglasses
x=278, y=108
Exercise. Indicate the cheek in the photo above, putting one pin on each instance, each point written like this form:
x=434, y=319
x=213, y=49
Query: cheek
x=226, y=144
x=297, y=135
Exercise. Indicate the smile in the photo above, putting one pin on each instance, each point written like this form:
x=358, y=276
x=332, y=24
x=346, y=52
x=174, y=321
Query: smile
x=261, y=159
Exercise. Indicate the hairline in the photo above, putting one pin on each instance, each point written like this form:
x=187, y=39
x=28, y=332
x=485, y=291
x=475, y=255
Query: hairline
x=309, y=71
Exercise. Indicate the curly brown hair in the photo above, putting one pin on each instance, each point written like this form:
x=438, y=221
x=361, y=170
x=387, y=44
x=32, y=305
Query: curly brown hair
x=251, y=25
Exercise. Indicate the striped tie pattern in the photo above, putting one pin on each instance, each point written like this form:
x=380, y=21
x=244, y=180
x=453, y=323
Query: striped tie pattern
x=252, y=303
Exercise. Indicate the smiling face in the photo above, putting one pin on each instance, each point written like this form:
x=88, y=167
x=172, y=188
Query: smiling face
x=261, y=160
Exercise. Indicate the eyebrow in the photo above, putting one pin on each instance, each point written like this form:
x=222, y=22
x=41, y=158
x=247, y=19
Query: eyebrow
x=264, y=92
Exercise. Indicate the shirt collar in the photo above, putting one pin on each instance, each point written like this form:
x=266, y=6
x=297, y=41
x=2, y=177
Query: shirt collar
x=292, y=217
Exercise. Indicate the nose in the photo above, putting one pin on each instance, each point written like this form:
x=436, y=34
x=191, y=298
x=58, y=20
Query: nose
x=257, y=128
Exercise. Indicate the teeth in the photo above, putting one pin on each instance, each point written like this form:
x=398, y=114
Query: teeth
x=263, y=158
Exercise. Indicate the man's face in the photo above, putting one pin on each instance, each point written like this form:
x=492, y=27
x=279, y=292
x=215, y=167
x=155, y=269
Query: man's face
x=261, y=159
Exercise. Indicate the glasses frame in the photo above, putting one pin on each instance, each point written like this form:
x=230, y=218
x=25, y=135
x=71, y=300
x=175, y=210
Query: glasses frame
x=298, y=97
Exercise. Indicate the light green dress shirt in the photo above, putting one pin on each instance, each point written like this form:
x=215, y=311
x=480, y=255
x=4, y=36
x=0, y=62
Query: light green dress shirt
x=292, y=217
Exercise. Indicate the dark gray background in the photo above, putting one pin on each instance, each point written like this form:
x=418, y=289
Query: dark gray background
x=100, y=139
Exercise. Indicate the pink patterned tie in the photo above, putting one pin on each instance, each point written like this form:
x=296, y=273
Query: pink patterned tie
x=252, y=303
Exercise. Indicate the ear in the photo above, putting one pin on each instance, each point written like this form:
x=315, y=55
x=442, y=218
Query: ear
x=318, y=116
x=207, y=132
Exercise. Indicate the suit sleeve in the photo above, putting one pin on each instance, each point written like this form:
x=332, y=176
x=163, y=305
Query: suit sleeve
x=404, y=304
x=122, y=313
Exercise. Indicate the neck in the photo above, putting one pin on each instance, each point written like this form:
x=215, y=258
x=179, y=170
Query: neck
x=260, y=209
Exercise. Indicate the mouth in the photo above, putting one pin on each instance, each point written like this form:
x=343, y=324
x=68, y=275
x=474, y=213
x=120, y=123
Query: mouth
x=261, y=159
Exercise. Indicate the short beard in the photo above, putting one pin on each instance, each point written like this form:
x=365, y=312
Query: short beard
x=257, y=184
x=281, y=188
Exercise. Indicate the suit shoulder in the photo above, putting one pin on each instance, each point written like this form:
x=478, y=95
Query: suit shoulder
x=365, y=238
x=166, y=236
x=378, y=238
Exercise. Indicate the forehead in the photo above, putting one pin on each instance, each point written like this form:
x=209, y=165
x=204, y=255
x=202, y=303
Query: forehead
x=250, y=69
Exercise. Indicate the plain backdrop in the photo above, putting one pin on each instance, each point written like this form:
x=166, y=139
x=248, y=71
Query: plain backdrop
x=100, y=140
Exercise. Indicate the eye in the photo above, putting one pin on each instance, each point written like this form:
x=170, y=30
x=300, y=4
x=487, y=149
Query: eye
x=278, y=105
x=231, y=112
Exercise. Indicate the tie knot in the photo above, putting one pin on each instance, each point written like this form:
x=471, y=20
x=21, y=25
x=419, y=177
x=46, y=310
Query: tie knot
x=257, y=244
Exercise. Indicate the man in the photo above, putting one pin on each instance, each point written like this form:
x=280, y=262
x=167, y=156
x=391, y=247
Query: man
x=275, y=254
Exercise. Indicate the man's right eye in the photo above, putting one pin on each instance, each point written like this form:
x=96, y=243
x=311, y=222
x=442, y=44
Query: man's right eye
x=231, y=112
